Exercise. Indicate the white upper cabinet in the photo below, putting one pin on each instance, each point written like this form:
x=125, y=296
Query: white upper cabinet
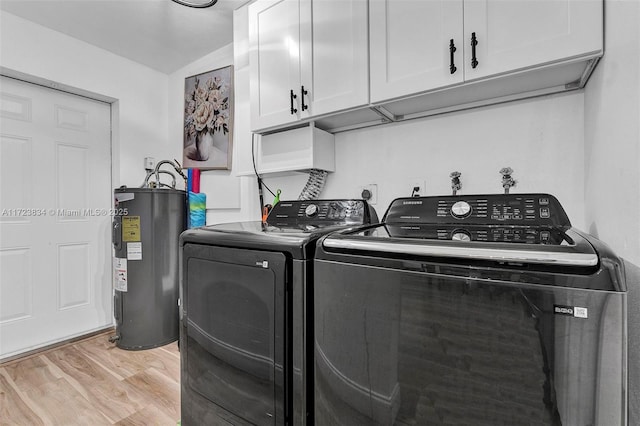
x=410, y=41
x=416, y=46
x=335, y=64
x=274, y=61
x=344, y=64
x=307, y=58
x=512, y=35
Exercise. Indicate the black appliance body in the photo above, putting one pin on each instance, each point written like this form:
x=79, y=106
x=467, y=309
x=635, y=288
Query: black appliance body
x=245, y=299
x=470, y=310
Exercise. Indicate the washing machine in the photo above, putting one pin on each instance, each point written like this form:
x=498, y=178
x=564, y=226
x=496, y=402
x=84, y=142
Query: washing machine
x=481, y=310
x=245, y=336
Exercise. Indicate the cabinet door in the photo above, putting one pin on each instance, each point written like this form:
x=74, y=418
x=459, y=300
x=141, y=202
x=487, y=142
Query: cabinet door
x=334, y=54
x=512, y=35
x=274, y=39
x=410, y=46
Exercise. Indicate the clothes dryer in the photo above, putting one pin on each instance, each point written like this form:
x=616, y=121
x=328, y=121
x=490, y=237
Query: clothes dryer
x=246, y=313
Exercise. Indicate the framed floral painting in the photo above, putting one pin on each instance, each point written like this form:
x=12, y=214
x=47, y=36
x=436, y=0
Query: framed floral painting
x=208, y=120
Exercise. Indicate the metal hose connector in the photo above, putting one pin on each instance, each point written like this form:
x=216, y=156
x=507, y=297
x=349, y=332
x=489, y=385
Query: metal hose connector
x=507, y=180
x=176, y=166
x=456, y=184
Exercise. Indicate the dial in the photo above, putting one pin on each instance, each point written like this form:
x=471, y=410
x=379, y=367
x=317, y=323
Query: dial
x=311, y=210
x=459, y=235
x=461, y=209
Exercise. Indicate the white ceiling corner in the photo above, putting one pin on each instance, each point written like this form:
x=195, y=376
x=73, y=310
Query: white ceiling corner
x=160, y=34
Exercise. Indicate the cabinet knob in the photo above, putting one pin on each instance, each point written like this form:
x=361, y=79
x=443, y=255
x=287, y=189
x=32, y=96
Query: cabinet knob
x=292, y=96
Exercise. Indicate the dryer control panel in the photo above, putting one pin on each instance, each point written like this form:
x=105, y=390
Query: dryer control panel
x=487, y=209
x=320, y=213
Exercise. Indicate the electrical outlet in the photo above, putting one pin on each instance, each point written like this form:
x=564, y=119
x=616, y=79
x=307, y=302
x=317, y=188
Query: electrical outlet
x=149, y=163
x=369, y=193
x=417, y=188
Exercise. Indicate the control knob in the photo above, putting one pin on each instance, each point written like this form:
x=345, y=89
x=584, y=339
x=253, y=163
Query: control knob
x=459, y=235
x=311, y=210
x=460, y=210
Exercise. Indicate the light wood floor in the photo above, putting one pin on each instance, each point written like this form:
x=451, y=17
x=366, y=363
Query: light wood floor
x=91, y=382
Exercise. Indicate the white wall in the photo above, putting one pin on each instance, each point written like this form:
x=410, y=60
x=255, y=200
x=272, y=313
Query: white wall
x=231, y=195
x=541, y=139
x=140, y=113
x=612, y=162
x=612, y=134
x=228, y=198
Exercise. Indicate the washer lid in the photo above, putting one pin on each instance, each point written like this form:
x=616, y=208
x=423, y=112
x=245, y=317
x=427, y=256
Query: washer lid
x=586, y=263
x=577, y=252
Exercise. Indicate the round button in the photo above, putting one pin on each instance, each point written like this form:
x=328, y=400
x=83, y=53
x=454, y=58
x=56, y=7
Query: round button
x=460, y=210
x=311, y=210
x=460, y=236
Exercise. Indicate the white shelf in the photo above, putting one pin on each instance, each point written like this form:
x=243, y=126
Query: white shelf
x=296, y=150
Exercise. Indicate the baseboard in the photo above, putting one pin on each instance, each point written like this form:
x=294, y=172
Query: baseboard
x=6, y=361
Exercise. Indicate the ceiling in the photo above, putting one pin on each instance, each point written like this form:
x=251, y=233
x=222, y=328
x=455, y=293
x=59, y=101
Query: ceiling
x=160, y=34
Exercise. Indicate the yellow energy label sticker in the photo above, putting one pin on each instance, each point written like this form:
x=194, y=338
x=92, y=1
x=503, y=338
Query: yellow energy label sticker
x=130, y=228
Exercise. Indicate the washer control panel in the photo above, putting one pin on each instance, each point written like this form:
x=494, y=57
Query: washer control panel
x=491, y=233
x=319, y=213
x=489, y=209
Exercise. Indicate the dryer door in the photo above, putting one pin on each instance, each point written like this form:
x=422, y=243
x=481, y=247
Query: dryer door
x=233, y=335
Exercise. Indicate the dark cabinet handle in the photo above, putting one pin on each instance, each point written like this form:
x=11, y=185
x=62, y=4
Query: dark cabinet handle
x=116, y=236
x=474, y=43
x=302, y=93
x=292, y=96
x=452, y=49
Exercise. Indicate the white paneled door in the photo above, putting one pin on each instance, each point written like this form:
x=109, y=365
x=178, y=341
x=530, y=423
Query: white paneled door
x=55, y=196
